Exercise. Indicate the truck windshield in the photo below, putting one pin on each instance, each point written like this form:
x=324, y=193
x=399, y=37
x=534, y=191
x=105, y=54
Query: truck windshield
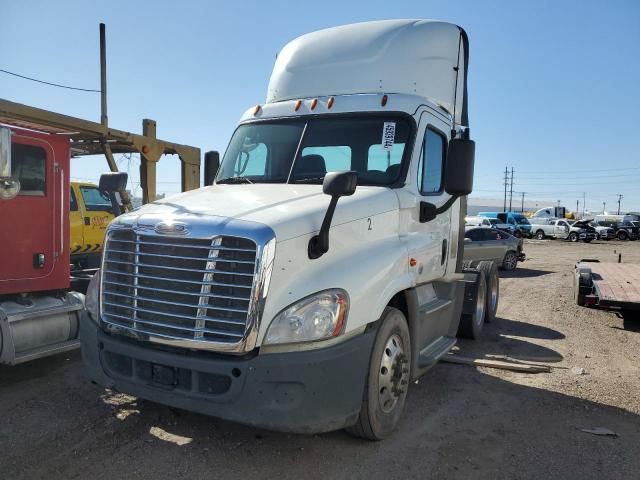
x=304, y=150
x=522, y=220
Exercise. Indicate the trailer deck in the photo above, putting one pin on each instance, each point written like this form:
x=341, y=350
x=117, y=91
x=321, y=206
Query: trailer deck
x=608, y=285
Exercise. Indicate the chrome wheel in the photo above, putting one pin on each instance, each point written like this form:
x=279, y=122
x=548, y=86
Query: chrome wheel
x=540, y=235
x=481, y=299
x=510, y=261
x=393, y=373
x=493, y=295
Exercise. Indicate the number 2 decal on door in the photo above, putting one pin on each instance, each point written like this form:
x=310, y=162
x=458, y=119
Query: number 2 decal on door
x=369, y=220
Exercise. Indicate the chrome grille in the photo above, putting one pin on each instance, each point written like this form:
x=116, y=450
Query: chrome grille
x=178, y=288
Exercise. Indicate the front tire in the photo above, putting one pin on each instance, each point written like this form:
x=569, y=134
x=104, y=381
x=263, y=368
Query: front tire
x=539, y=235
x=622, y=236
x=387, y=380
x=573, y=237
x=517, y=234
x=510, y=261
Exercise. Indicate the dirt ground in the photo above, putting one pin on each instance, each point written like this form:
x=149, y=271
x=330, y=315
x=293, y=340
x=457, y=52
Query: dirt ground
x=459, y=421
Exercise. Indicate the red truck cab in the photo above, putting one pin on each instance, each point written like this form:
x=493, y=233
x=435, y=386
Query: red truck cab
x=38, y=314
x=35, y=239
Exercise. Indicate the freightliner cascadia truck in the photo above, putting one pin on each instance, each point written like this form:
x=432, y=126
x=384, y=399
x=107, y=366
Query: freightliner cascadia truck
x=319, y=271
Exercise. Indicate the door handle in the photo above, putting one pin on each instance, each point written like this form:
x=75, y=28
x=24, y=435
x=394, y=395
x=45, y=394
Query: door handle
x=444, y=251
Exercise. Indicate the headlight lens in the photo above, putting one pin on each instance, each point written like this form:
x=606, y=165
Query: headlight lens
x=93, y=296
x=317, y=317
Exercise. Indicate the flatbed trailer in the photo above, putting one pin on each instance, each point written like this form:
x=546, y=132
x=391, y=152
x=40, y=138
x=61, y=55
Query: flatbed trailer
x=608, y=285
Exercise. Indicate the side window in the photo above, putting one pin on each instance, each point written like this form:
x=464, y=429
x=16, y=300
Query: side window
x=336, y=158
x=252, y=161
x=73, y=203
x=495, y=235
x=28, y=166
x=95, y=199
x=431, y=168
x=475, y=235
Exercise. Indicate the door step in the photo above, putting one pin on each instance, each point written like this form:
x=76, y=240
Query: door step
x=434, y=351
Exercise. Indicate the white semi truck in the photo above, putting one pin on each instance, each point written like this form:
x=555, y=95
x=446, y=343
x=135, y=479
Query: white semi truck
x=320, y=270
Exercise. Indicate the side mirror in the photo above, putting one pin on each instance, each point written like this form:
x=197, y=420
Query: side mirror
x=467, y=240
x=114, y=182
x=335, y=184
x=9, y=186
x=211, y=166
x=428, y=211
x=458, y=176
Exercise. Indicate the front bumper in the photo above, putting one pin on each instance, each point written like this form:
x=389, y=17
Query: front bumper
x=587, y=236
x=312, y=391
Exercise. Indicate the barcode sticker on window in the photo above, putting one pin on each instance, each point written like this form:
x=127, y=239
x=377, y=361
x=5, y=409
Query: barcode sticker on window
x=388, y=135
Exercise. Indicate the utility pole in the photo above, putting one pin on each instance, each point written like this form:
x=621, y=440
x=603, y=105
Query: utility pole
x=522, y=207
x=577, y=207
x=619, y=200
x=584, y=196
x=511, y=193
x=506, y=173
x=604, y=204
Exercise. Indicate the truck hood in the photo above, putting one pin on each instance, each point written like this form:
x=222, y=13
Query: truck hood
x=290, y=210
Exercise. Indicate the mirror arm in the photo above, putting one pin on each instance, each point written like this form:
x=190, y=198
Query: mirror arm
x=319, y=244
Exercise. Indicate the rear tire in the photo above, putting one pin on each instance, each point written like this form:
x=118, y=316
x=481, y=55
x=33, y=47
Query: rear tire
x=582, y=281
x=471, y=323
x=573, y=237
x=490, y=272
x=622, y=236
x=387, y=380
x=517, y=234
x=539, y=235
x=510, y=261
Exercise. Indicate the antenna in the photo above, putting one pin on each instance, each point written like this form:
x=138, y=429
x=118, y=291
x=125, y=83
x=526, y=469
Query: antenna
x=455, y=90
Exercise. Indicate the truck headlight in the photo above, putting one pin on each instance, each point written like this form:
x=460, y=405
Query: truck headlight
x=93, y=297
x=317, y=317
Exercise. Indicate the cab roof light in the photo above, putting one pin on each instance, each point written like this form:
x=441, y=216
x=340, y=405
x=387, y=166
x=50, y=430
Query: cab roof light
x=256, y=110
x=297, y=105
x=330, y=102
x=384, y=100
x=314, y=102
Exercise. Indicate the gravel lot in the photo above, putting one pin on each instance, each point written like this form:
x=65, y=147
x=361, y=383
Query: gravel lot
x=459, y=421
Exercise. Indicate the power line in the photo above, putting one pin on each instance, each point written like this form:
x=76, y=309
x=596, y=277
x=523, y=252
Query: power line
x=48, y=83
x=554, y=172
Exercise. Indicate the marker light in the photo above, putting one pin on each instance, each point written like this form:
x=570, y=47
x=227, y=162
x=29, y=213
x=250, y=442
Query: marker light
x=330, y=102
x=256, y=110
x=314, y=102
x=384, y=100
x=297, y=105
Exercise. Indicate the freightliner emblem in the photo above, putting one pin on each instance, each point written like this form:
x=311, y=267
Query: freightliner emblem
x=171, y=228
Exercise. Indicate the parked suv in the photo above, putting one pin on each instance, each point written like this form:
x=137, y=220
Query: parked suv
x=624, y=230
x=520, y=223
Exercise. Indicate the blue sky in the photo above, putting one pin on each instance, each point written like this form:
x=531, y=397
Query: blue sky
x=553, y=84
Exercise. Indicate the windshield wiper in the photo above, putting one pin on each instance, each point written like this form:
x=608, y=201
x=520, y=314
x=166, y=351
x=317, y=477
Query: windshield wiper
x=308, y=180
x=235, y=180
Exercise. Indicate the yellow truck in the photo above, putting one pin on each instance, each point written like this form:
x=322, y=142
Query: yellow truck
x=89, y=214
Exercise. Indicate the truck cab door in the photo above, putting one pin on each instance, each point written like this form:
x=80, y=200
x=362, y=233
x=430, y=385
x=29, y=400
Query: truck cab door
x=561, y=229
x=429, y=242
x=76, y=223
x=97, y=213
x=31, y=235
